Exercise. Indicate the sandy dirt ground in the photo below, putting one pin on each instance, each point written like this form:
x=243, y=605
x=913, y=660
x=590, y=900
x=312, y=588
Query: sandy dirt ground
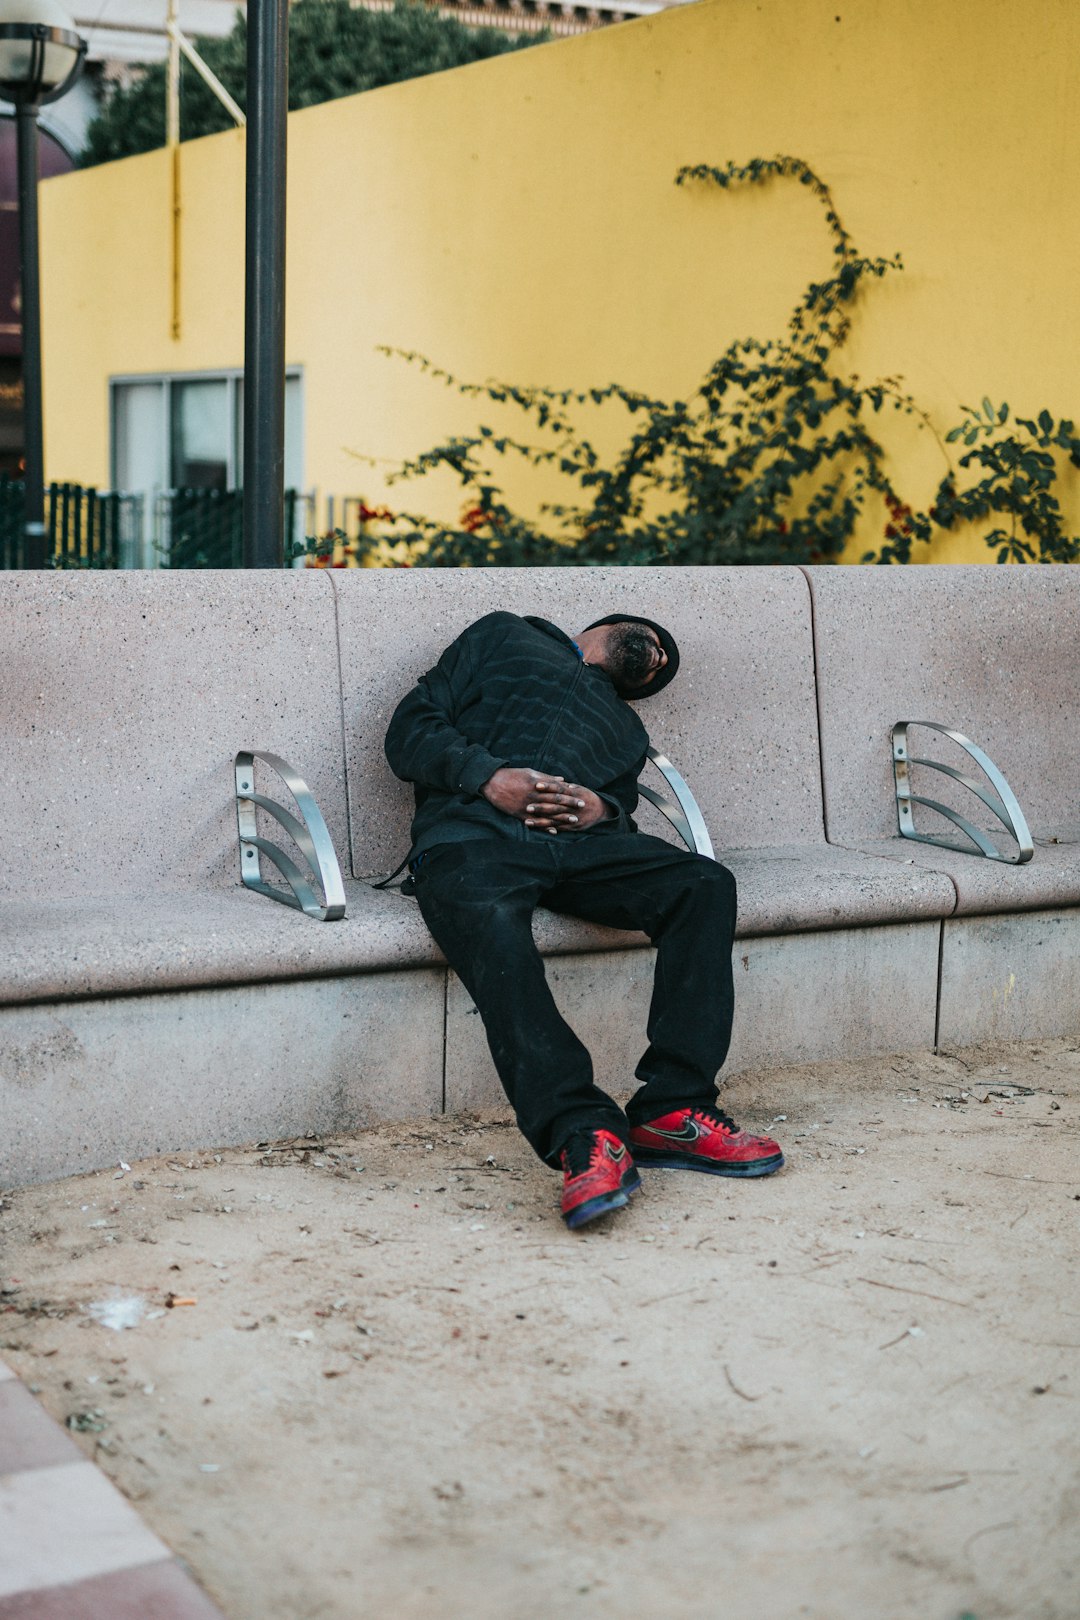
x=845, y=1392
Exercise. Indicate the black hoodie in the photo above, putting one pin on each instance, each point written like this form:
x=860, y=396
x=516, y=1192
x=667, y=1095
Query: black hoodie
x=512, y=691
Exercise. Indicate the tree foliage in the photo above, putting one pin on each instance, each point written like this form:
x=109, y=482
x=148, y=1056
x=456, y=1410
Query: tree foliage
x=774, y=459
x=1015, y=471
x=335, y=49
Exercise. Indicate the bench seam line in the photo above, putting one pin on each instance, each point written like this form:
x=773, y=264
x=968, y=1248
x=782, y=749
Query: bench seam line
x=341, y=718
x=940, y=972
x=817, y=701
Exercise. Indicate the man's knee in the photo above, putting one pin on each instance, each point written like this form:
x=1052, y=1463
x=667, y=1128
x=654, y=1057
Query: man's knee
x=710, y=891
x=716, y=879
x=700, y=891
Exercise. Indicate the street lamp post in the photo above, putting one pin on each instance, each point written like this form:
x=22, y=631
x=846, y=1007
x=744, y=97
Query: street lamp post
x=40, y=57
x=264, y=324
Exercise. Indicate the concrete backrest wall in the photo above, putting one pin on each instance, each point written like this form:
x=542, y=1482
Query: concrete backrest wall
x=126, y=696
x=740, y=722
x=991, y=652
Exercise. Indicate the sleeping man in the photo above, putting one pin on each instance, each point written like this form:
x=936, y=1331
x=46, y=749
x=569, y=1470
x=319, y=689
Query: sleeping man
x=524, y=752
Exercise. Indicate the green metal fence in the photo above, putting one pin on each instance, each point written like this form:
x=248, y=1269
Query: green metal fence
x=204, y=528
x=84, y=528
x=11, y=524
x=89, y=528
x=201, y=528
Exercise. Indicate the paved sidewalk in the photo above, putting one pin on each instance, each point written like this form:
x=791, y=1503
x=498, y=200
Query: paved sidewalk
x=71, y=1547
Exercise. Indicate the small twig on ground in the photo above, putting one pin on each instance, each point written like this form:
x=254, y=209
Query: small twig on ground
x=1044, y=1181
x=828, y=1260
x=922, y=1294
x=741, y=1393
x=678, y=1294
x=988, y=1530
x=900, y=1337
x=478, y=1169
x=913, y=1260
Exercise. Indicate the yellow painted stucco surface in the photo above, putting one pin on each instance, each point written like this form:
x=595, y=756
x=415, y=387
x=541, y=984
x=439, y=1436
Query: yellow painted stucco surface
x=518, y=219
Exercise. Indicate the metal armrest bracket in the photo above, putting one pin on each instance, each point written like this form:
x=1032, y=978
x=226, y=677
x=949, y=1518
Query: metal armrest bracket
x=682, y=811
x=310, y=835
x=998, y=797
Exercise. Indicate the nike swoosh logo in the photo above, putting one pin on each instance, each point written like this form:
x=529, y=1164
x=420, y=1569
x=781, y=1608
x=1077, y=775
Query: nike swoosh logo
x=690, y=1131
x=616, y=1154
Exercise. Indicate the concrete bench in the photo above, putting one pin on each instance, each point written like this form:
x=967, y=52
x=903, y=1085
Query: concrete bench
x=153, y=1003
x=994, y=652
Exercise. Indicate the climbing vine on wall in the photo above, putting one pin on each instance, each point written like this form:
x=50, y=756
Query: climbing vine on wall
x=774, y=458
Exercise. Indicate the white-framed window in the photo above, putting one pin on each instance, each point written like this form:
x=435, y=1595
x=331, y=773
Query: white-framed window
x=185, y=430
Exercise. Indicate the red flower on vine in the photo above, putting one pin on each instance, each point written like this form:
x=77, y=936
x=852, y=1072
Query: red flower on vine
x=475, y=517
x=899, y=527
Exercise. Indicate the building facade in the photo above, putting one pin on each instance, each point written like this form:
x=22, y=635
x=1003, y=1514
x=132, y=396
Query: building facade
x=518, y=219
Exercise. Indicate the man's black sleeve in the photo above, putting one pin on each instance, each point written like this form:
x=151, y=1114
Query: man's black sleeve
x=423, y=744
x=622, y=796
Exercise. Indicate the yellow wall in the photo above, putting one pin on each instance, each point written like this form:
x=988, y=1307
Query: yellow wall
x=518, y=218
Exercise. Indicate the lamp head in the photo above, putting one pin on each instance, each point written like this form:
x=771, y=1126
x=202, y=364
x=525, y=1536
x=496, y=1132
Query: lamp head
x=40, y=51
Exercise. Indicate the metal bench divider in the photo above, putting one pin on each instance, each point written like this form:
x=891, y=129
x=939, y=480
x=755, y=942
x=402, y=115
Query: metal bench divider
x=683, y=811
x=311, y=835
x=1002, y=802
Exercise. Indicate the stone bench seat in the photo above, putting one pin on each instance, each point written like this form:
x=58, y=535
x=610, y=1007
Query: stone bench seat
x=132, y=946
x=100, y=946
x=1051, y=878
x=809, y=887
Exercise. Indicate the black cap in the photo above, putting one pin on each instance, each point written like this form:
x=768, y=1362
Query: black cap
x=667, y=642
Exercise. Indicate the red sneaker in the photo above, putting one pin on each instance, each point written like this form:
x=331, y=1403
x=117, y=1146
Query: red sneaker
x=705, y=1139
x=599, y=1176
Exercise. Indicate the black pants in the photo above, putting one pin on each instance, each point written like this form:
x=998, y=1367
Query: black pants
x=478, y=898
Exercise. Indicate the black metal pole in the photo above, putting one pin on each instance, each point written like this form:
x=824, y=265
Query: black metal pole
x=30, y=292
x=264, y=323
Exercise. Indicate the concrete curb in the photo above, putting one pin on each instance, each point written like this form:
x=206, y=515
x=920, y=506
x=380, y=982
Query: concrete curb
x=73, y=1547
